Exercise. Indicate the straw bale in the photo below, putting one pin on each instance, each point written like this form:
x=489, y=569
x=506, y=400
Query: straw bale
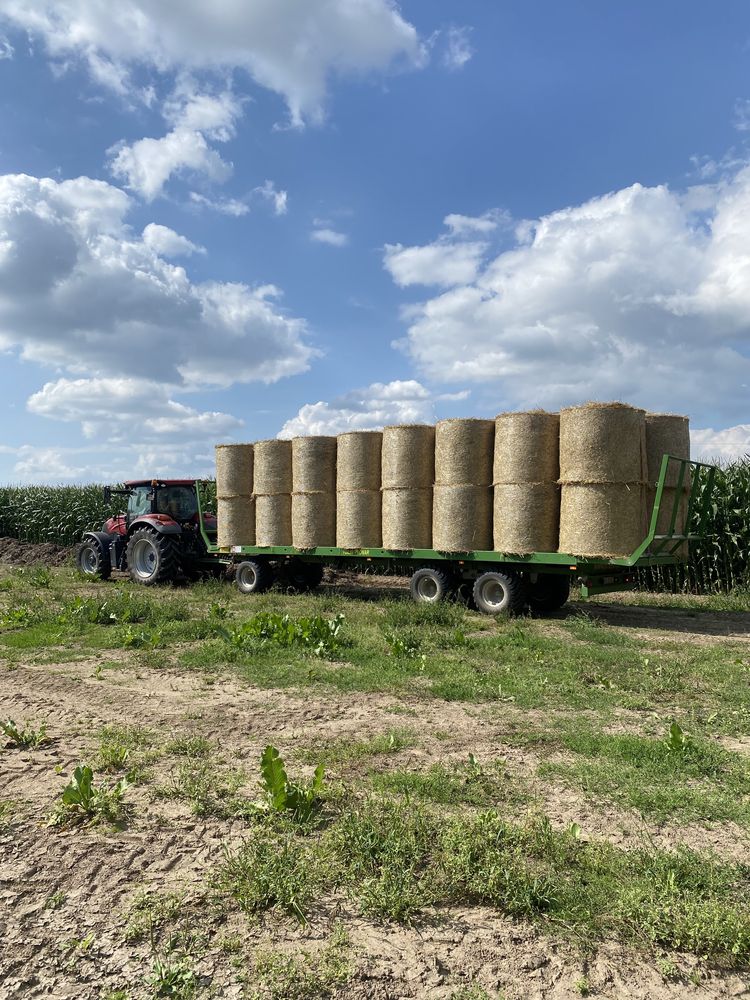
x=407, y=519
x=313, y=519
x=313, y=464
x=273, y=519
x=462, y=518
x=527, y=448
x=602, y=443
x=602, y=519
x=408, y=458
x=234, y=470
x=273, y=467
x=358, y=461
x=665, y=517
x=526, y=517
x=666, y=434
x=359, y=519
x=236, y=520
x=463, y=452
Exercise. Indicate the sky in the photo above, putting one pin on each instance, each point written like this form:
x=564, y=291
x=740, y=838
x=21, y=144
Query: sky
x=250, y=218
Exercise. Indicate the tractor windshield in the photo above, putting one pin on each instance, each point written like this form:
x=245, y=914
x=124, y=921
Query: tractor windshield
x=178, y=502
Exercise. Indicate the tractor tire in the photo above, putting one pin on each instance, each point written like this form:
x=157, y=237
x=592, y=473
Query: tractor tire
x=92, y=559
x=152, y=557
x=302, y=577
x=500, y=594
x=253, y=576
x=429, y=585
x=548, y=593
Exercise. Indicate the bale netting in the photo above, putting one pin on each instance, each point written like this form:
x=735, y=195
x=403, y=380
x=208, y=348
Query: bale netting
x=463, y=452
x=358, y=460
x=313, y=519
x=602, y=443
x=236, y=521
x=407, y=519
x=666, y=434
x=273, y=467
x=234, y=470
x=313, y=464
x=408, y=457
x=273, y=519
x=601, y=519
x=526, y=517
x=527, y=448
x=359, y=519
x=461, y=518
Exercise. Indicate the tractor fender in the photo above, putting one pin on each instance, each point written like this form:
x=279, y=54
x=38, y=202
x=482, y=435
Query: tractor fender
x=157, y=522
x=103, y=537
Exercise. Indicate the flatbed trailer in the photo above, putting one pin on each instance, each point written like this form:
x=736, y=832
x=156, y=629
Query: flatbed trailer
x=499, y=581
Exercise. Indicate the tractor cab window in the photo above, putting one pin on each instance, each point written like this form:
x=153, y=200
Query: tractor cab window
x=177, y=501
x=139, y=501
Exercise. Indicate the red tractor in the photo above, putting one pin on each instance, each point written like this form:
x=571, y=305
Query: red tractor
x=156, y=540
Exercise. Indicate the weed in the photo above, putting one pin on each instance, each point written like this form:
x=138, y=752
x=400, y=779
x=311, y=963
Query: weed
x=25, y=738
x=208, y=788
x=582, y=986
x=21, y=617
x=189, y=746
x=472, y=992
x=7, y=812
x=342, y=752
x=84, y=802
x=122, y=747
x=302, y=975
x=320, y=635
x=55, y=901
x=172, y=977
x=302, y=802
x=468, y=784
x=149, y=911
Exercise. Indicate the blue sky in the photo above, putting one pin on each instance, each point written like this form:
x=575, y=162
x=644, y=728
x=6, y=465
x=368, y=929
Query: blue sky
x=257, y=218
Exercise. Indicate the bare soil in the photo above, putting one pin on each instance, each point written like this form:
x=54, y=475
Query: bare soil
x=16, y=553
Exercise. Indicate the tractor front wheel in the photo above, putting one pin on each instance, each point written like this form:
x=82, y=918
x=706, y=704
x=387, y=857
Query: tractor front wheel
x=152, y=557
x=92, y=559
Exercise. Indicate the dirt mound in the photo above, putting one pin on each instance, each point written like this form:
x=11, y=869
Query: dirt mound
x=18, y=553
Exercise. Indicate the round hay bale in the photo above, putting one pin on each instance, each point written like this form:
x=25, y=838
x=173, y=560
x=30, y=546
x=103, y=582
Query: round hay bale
x=602, y=443
x=463, y=452
x=407, y=519
x=526, y=517
x=313, y=519
x=236, y=521
x=664, y=520
x=273, y=467
x=313, y=464
x=234, y=470
x=273, y=519
x=359, y=519
x=666, y=434
x=358, y=460
x=601, y=519
x=462, y=518
x=527, y=448
x=408, y=457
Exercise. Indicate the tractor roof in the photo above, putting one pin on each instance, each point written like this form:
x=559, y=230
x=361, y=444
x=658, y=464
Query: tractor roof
x=160, y=482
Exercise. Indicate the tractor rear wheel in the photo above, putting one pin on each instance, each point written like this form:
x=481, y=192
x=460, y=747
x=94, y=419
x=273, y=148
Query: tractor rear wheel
x=152, y=557
x=92, y=559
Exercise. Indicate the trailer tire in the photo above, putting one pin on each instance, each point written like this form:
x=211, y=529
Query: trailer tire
x=500, y=593
x=548, y=593
x=303, y=576
x=253, y=576
x=92, y=559
x=429, y=585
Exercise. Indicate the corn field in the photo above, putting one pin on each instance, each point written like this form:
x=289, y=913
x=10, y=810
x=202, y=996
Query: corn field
x=52, y=513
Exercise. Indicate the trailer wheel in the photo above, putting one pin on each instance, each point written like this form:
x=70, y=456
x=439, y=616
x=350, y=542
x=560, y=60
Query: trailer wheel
x=92, y=559
x=548, y=593
x=500, y=593
x=428, y=585
x=254, y=576
x=302, y=576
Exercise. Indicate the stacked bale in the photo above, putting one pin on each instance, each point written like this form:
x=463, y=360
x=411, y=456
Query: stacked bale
x=603, y=472
x=667, y=434
x=462, y=506
x=235, y=503
x=408, y=472
x=273, y=492
x=358, y=481
x=313, y=491
x=525, y=480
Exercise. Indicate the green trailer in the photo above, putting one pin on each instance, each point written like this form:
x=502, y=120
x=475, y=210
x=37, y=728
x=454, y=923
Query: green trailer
x=497, y=582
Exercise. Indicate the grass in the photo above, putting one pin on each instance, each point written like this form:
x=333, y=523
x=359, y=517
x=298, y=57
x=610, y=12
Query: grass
x=302, y=974
x=206, y=786
x=149, y=911
x=468, y=784
x=126, y=748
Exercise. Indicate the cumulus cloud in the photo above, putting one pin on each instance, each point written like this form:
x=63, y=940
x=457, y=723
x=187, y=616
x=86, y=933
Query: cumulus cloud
x=732, y=442
x=166, y=242
x=100, y=463
x=6, y=49
x=642, y=294
x=80, y=291
x=458, y=50
x=270, y=193
x=379, y=404
x=288, y=46
x=331, y=237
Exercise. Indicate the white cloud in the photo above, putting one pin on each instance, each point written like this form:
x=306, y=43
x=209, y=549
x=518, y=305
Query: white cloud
x=741, y=119
x=458, y=50
x=439, y=263
x=167, y=243
x=102, y=464
x=225, y=206
x=468, y=225
x=329, y=236
x=6, y=49
x=78, y=290
x=120, y=409
x=399, y=402
x=269, y=192
x=732, y=442
x=288, y=46
x=641, y=294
